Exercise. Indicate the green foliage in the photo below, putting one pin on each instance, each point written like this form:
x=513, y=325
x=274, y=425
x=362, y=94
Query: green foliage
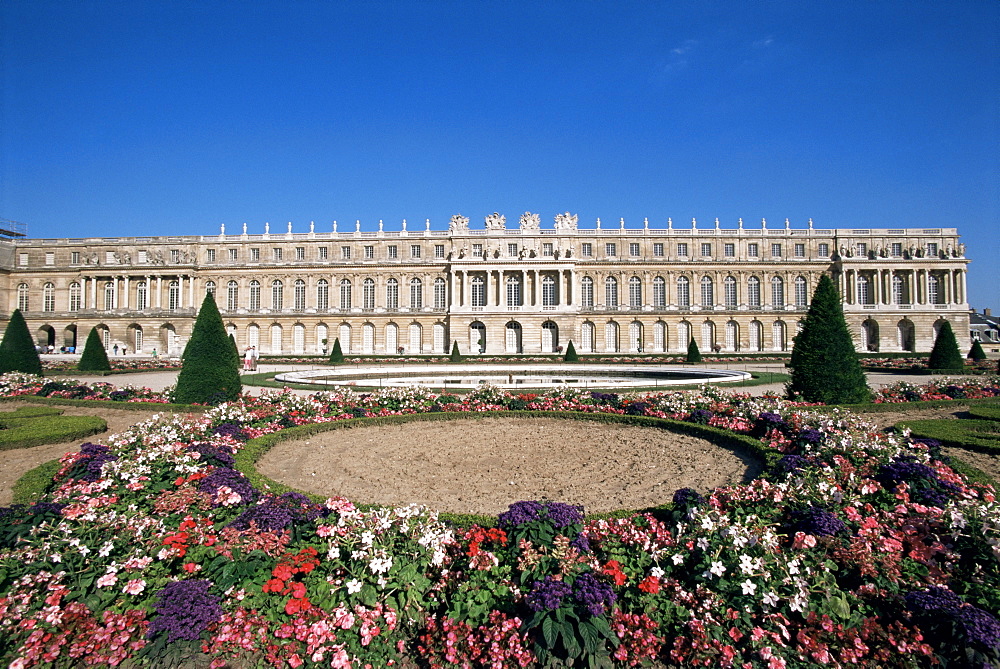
x=985, y=412
x=236, y=349
x=456, y=355
x=693, y=354
x=970, y=434
x=976, y=352
x=945, y=355
x=571, y=355
x=17, y=350
x=337, y=355
x=824, y=364
x=30, y=487
x=211, y=367
x=94, y=358
x=35, y=426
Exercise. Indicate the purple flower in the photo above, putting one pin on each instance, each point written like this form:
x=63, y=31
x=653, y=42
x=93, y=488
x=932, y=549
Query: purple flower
x=234, y=430
x=547, y=595
x=933, y=600
x=232, y=479
x=636, y=409
x=766, y=422
x=88, y=468
x=521, y=513
x=218, y=455
x=700, y=416
x=791, y=463
x=819, y=522
x=688, y=497
x=593, y=594
x=279, y=512
x=809, y=438
x=184, y=610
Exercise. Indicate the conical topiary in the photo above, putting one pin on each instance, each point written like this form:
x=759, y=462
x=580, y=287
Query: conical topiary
x=824, y=364
x=571, y=355
x=211, y=369
x=94, y=357
x=976, y=352
x=337, y=354
x=693, y=354
x=17, y=350
x=945, y=355
x=456, y=355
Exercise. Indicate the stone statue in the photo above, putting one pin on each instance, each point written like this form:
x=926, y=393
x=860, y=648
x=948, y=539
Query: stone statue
x=244, y=228
x=566, y=221
x=496, y=221
x=289, y=227
x=530, y=221
x=459, y=223
x=961, y=250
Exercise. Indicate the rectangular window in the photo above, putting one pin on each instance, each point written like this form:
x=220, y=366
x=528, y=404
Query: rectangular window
x=512, y=250
x=932, y=250
x=658, y=249
x=862, y=249
x=50, y=258
x=414, y=250
x=300, y=253
x=587, y=250
x=210, y=255
x=729, y=250
x=393, y=251
x=897, y=250
x=234, y=255
x=369, y=252
x=682, y=250
x=74, y=257
x=477, y=250
x=22, y=259
x=439, y=250
x=276, y=254
x=706, y=250
x=323, y=253
x=547, y=249
x=775, y=250
x=753, y=250
x=824, y=250
x=800, y=250
x=254, y=255
x=345, y=252
x=633, y=249
x=610, y=249
x=440, y=294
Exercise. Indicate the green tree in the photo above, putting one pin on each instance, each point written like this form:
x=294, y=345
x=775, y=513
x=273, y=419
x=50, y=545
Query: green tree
x=94, y=358
x=17, y=350
x=210, y=371
x=456, y=355
x=946, y=355
x=571, y=355
x=976, y=352
x=337, y=354
x=693, y=354
x=824, y=364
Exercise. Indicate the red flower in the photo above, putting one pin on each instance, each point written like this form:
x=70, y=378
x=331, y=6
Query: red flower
x=297, y=605
x=614, y=570
x=274, y=585
x=650, y=584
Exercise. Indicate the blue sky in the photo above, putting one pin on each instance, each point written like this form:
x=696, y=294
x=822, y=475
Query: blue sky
x=154, y=118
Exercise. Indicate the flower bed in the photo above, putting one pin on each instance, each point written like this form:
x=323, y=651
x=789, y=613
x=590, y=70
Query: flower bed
x=858, y=547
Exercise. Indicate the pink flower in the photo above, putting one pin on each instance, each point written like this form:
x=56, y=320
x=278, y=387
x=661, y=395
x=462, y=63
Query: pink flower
x=134, y=587
x=107, y=580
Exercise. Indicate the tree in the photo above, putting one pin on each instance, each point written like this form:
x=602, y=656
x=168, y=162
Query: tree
x=693, y=354
x=976, y=352
x=571, y=355
x=210, y=371
x=946, y=355
x=455, y=356
x=17, y=350
x=94, y=358
x=337, y=354
x=824, y=364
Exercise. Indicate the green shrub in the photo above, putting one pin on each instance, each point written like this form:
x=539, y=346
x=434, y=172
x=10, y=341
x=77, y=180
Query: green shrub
x=571, y=355
x=985, y=412
x=94, y=358
x=456, y=355
x=17, y=350
x=211, y=366
x=945, y=354
x=693, y=354
x=337, y=354
x=976, y=352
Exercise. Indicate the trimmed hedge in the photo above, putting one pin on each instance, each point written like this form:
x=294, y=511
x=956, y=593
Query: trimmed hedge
x=35, y=483
x=19, y=431
x=987, y=412
x=903, y=407
x=970, y=434
x=107, y=404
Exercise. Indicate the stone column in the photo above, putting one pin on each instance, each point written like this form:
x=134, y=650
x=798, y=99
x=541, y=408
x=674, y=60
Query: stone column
x=159, y=292
x=125, y=293
x=961, y=279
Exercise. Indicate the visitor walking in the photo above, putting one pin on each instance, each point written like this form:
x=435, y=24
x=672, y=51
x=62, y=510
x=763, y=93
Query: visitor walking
x=248, y=359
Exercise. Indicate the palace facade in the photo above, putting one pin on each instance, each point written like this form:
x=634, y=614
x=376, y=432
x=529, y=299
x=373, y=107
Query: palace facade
x=495, y=290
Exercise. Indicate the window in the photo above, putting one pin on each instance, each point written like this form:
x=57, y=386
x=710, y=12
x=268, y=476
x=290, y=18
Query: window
x=729, y=292
x=633, y=249
x=932, y=250
x=824, y=250
x=175, y=256
x=234, y=255
x=587, y=292
x=49, y=297
x=547, y=249
x=439, y=250
x=300, y=253
x=345, y=293
x=753, y=292
x=75, y=295
x=141, y=295
x=512, y=250
x=635, y=292
x=255, y=295
x=706, y=250
x=777, y=292
x=210, y=288
x=610, y=249
x=392, y=294
x=50, y=258
x=513, y=291
x=933, y=289
x=22, y=259
x=683, y=292
x=367, y=294
x=232, y=296
x=414, y=250
x=863, y=289
x=277, y=295
x=775, y=250
x=323, y=253
x=898, y=290
x=440, y=293
x=322, y=295
x=549, y=296
x=800, y=251
x=611, y=291
x=173, y=295
x=659, y=292
x=299, y=295
x=22, y=296
x=345, y=252
x=369, y=252
x=801, y=292
x=896, y=249
x=74, y=257
x=416, y=294
x=210, y=255
x=862, y=250
x=682, y=250
x=477, y=250
x=478, y=292
x=707, y=292
x=658, y=249
x=587, y=250
x=753, y=250
x=393, y=251
x=276, y=254
x=254, y=255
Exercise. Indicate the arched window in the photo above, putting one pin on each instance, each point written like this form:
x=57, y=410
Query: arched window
x=322, y=295
x=586, y=292
x=322, y=338
x=611, y=337
x=22, y=296
x=683, y=292
x=898, y=290
x=367, y=294
x=708, y=336
x=367, y=338
x=635, y=343
x=478, y=291
x=109, y=295
x=232, y=296
x=635, y=292
x=549, y=296
x=299, y=293
x=756, y=336
x=587, y=337
x=707, y=292
x=345, y=293
x=255, y=295
x=659, y=292
x=173, y=295
x=275, y=338
x=732, y=336
x=391, y=338
x=416, y=339
x=778, y=336
x=416, y=294
x=801, y=292
x=141, y=296
x=729, y=290
x=777, y=292
x=934, y=289
x=683, y=335
x=611, y=294
x=513, y=291
x=210, y=288
x=277, y=295
x=440, y=293
x=75, y=296
x=753, y=292
x=49, y=297
x=659, y=336
x=345, y=337
x=392, y=294
x=440, y=340
x=863, y=293
x=298, y=338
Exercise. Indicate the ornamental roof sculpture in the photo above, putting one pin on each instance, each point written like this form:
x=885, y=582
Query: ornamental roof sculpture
x=496, y=221
x=458, y=223
x=530, y=221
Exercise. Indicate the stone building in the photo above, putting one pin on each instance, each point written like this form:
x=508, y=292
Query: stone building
x=525, y=289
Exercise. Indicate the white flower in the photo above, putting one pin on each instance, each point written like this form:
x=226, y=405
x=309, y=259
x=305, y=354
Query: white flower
x=656, y=572
x=749, y=587
x=106, y=549
x=333, y=553
x=353, y=586
x=678, y=558
x=707, y=524
x=770, y=599
x=718, y=568
x=380, y=565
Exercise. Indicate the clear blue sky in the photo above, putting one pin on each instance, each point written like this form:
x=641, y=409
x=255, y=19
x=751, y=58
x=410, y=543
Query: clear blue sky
x=153, y=118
